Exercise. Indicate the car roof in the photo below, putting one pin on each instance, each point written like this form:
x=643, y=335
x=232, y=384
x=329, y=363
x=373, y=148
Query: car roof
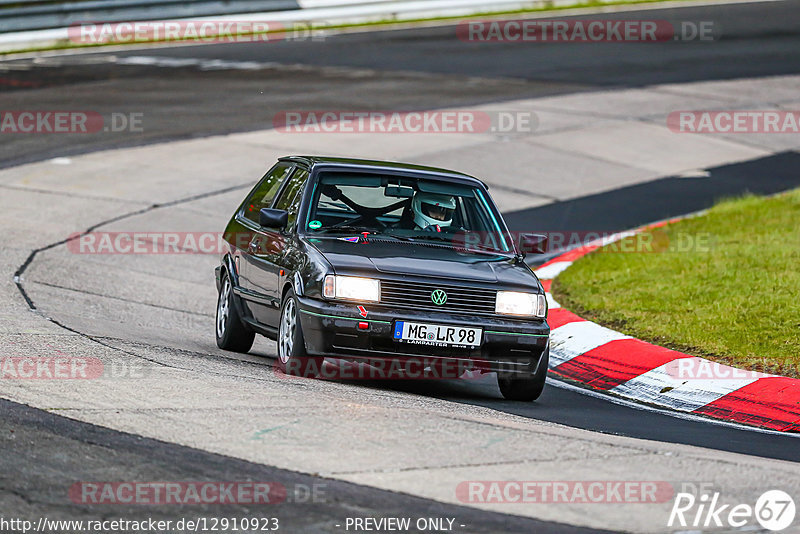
x=365, y=164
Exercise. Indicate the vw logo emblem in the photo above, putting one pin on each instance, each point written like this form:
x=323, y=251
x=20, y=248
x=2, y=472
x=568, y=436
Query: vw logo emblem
x=438, y=297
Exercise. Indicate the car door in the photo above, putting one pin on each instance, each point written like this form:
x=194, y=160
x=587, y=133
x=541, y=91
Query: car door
x=247, y=228
x=266, y=258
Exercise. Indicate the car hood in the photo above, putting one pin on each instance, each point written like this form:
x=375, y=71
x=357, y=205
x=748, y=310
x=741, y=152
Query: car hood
x=421, y=259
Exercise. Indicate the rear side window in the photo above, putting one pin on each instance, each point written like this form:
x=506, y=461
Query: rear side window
x=265, y=191
x=290, y=197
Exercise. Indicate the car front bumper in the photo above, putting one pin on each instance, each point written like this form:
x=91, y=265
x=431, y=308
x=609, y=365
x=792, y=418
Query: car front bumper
x=340, y=330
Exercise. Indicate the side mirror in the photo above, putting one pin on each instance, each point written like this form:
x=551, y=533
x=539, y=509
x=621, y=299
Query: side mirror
x=532, y=243
x=269, y=218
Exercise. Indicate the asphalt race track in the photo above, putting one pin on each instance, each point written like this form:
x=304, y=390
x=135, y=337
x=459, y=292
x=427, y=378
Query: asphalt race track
x=62, y=441
x=411, y=69
x=138, y=308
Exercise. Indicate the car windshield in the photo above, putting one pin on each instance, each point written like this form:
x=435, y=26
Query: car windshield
x=405, y=208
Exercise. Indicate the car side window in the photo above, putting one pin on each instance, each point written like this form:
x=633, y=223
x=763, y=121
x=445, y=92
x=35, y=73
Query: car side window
x=290, y=196
x=264, y=194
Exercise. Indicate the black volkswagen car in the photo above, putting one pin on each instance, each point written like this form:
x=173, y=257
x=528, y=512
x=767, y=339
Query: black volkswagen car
x=376, y=262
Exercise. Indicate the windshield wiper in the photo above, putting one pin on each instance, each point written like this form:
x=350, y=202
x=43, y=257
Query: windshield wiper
x=393, y=236
x=451, y=243
x=435, y=237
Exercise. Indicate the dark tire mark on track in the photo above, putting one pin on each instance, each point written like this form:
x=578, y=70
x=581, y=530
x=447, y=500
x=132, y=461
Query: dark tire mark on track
x=68, y=451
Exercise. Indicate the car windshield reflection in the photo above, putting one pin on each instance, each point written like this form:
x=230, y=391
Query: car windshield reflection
x=407, y=209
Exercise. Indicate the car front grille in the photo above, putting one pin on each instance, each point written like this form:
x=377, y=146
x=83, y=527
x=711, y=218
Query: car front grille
x=415, y=295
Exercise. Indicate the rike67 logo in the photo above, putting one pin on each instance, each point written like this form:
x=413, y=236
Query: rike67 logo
x=774, y=510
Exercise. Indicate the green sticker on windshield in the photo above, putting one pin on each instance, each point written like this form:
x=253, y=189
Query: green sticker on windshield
x=315, y=225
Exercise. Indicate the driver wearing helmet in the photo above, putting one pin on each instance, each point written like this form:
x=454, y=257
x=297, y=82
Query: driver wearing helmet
x=433, y=211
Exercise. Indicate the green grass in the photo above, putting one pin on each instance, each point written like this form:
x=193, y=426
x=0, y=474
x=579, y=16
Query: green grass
x=733, y=299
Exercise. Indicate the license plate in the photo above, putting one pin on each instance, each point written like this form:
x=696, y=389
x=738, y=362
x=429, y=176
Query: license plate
x=437, y=335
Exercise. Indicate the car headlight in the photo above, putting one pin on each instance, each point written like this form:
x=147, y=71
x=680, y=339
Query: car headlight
x=351, y=288
x=522, y=304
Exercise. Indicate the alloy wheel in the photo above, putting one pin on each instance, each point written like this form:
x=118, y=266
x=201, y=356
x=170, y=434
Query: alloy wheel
x=223, y=307
x=286, y=334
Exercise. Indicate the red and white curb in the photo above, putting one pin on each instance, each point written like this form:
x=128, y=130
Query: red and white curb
x=611, y=362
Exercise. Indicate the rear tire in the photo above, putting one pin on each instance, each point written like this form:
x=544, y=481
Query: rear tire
x=231, y=332
x=525, y=389
x=292, y=356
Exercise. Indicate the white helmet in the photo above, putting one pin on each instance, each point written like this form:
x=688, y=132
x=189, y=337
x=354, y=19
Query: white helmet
x=433, y=209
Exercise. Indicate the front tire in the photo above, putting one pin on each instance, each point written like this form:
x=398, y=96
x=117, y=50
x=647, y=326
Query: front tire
x=525, y=389
x=292, y=356
x=231, y=333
